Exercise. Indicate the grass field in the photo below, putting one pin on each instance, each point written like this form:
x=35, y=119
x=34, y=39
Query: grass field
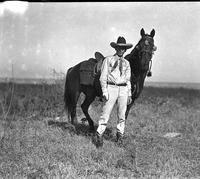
x=34, y=143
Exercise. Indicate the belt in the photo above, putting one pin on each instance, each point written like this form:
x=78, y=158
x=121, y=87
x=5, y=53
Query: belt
x=121, y=84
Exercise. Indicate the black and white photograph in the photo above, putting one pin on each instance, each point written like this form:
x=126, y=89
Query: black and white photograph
x=100, y=90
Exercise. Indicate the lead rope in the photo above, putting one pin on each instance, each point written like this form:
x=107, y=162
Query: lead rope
x=149, y=73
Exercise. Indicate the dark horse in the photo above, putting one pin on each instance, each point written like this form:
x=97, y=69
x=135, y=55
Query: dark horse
x=140, y=63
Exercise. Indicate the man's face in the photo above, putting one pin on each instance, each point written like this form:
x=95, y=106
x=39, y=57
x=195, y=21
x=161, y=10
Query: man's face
x=120, y=51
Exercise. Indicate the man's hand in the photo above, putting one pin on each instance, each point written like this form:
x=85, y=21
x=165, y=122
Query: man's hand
x=105, y=97
x=129, y=100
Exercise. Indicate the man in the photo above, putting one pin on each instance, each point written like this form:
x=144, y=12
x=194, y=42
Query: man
x=116, y=87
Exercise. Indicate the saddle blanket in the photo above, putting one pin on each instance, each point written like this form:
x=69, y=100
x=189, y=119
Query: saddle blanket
x=87, y=71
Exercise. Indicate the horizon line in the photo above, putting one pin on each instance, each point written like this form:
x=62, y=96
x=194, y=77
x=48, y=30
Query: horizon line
x=5, y=79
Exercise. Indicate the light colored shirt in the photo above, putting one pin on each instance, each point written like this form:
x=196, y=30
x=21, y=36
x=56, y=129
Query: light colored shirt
x=108, y=74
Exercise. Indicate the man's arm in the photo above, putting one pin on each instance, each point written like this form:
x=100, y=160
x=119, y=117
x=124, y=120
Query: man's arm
x=128, y=79
x=104, y=77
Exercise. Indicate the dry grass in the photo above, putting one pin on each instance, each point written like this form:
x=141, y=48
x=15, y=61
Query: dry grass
x=34, y=145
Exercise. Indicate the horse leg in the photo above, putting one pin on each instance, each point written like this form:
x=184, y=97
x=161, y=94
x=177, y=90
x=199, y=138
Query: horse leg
x=73, y=108
x=128, y=109
x=85, y=105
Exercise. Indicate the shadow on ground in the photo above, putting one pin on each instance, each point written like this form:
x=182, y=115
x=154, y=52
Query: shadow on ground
x=83, y=130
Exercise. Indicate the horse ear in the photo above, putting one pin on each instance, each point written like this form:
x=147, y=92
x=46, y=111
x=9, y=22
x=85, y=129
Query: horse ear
x=142, y=32
x=152, y=33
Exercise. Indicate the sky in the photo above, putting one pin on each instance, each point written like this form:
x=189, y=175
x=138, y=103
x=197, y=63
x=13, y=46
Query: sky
x=37, y=37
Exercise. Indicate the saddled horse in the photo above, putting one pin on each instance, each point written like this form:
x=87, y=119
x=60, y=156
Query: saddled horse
x=140, y=63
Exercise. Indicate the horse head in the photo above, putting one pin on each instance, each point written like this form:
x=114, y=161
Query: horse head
x=146, y=49
x=142, y=54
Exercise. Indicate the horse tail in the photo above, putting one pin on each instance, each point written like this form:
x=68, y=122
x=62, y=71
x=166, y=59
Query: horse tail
x=67, y=95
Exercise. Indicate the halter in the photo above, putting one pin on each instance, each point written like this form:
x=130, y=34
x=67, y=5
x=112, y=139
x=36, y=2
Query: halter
x=149, y=73
x=148, y=51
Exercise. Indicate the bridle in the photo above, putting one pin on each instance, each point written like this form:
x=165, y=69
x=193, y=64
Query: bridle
x=149, y=51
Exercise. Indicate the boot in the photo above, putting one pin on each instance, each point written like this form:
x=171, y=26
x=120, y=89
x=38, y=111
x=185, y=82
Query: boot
x=98, y=140
x=119, y=138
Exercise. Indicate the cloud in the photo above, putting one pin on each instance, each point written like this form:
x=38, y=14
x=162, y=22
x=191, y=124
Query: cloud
x=16, y=7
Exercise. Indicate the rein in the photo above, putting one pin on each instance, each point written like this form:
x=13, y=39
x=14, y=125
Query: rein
x=148, y=51
x=149, y=73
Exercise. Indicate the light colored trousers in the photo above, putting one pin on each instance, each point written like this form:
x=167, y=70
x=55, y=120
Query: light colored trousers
x=117, y=94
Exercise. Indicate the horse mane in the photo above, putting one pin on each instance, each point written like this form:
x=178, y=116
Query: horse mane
x=137, y=77
x=133, y=59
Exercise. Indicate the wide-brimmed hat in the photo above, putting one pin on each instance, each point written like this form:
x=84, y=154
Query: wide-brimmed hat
x=121, y=42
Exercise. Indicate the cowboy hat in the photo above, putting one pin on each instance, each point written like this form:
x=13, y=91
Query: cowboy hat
x=121, y=42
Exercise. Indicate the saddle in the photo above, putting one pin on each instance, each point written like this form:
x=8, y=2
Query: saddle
x=90, y=69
